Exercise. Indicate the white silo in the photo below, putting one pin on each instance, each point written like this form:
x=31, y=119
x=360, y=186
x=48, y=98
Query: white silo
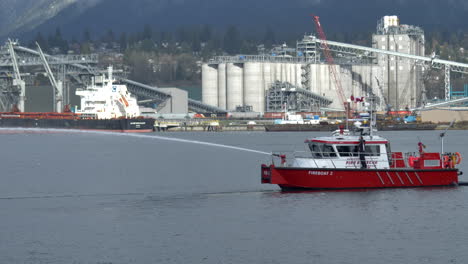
x=287, y=68
x=278, y=72
x=346, y=77
x=222, y=85
x=267, y=80
x=254, y=94
x=272, y=70
x=312, y=77
x=357, y=81
x=283, y=77
x=327, y=82
x=298, y=74
x=367, y=80
x=362, y=80
x=210, y=84
x=316, y=78
x=294, y=79
x=324, y=85
x=292, y=73
x=234, y=86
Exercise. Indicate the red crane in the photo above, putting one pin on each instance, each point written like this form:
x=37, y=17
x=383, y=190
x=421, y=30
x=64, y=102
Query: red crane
x=331, y=64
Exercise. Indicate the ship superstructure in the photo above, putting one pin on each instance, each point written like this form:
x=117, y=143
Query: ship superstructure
x=105, y=100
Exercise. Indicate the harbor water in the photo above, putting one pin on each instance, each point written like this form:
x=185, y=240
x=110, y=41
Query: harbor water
x=112, y=198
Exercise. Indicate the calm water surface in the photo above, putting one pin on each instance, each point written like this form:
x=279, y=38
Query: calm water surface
x=90, y=198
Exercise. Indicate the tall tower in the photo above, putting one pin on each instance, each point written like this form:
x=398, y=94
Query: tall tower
x=402, y=78
x=307, y=48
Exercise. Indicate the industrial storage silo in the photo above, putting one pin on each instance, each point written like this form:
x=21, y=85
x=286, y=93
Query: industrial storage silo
x=234, y=86
x=292, y=73
x=210, y=84
x=298, y=74
x=368, y=80
x=331, y=90
x=362, y=80
x=310, y=75
x=345, y=75
x=326, y=80
x=315, y=78
x=377, y=86
x=267, y=80
x=277, y=71
x=254, y=95
x=283, y=77
x=322, y=83
x=222, y=85
x=287, y=71
x=272, y=71
x=361, y=88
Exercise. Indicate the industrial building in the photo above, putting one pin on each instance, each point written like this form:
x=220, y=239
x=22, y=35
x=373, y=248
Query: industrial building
x=19, y=66
x=245, y=80
x=402, y=77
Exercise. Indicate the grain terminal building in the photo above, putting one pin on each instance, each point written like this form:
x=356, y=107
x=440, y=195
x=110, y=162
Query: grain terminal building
x=247, y=80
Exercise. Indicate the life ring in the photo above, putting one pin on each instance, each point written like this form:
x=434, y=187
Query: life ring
x=458, y=158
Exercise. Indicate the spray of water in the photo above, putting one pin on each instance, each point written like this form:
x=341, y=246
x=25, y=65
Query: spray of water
x=50, y=130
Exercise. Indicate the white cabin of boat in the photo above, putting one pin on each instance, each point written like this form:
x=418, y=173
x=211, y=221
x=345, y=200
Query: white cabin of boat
x=344, y=151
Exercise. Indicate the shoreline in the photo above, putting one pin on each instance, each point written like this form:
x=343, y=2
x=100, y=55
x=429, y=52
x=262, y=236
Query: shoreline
x=295, y=128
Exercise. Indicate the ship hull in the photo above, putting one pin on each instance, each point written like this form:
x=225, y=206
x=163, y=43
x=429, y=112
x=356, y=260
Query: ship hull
x=133, y=125
x=312, y=178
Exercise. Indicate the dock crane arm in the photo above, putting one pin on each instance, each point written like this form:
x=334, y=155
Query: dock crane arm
x=58, y=85
x=17, y=81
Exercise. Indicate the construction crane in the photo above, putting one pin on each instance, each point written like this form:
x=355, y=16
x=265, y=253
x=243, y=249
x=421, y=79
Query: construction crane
x=17, y=81
x=58, y=85
x=331, y=64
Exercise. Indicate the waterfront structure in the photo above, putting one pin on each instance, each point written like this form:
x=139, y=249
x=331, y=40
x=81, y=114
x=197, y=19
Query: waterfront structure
x=392, y=70
x=19, y=65
x=402, y=78
x=232, y=81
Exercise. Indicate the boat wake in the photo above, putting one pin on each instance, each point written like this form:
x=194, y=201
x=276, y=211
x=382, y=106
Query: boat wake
x=51, y=130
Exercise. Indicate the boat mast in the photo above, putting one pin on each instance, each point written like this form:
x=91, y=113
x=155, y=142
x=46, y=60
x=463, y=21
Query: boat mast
x=442, y=135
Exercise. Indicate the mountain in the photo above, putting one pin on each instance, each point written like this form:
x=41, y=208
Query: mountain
x=18, y=16
x=26, y=17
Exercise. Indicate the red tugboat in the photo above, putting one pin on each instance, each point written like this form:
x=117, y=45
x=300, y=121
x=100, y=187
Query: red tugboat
x=363, y=160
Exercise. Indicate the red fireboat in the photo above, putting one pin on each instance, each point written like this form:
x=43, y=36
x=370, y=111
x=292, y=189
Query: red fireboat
x=361, y=159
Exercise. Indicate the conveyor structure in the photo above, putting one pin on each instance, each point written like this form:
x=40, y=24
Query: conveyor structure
x=70, y=68
x=283, y=95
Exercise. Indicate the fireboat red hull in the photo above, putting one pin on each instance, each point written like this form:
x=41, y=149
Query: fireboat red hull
x=313, y=178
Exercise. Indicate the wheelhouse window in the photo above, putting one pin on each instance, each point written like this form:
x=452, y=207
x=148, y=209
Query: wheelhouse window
x=328, y=151
x=387, y=146
x=320, y=150
x=316, y=150
x=353, y=150
x=373, y=150
x=347, y=151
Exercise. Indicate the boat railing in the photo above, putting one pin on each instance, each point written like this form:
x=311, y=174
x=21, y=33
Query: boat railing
x=372, y=160
x=397, y=160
